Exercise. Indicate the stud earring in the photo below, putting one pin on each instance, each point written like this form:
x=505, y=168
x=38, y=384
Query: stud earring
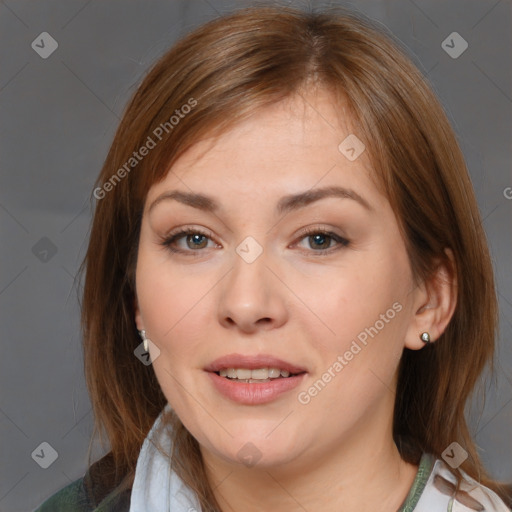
x=142, y=334
x=425, y=337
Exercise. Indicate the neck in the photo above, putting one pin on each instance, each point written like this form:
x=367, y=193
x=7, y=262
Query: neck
x=363, y=471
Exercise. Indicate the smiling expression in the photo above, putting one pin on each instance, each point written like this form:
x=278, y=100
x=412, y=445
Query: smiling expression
x=268, y=247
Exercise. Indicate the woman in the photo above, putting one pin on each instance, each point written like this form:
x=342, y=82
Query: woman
x=286, y=220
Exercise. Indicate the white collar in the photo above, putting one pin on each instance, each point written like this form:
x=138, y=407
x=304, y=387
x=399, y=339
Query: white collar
x=156, y=488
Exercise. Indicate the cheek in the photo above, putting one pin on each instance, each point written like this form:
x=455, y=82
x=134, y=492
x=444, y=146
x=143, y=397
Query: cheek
x=176, y=311
x=174, y=306
x=355, y=300
x=366, y=314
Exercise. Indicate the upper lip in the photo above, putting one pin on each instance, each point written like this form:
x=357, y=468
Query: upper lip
x=252, y=362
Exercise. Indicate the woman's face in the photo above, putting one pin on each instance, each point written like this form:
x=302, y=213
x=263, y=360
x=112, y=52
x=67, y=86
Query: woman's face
x=294, y=261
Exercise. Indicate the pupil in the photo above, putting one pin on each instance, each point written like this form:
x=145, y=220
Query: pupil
x=195, y=238
x=320, y=238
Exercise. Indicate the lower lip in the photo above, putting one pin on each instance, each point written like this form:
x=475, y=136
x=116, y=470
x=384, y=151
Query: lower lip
x=253, y=393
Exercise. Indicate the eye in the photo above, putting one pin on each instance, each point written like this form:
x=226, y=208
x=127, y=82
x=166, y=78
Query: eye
x=194, y=240
x=320, y=240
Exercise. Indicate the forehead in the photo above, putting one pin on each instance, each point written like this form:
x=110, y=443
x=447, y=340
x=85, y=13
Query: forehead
x=291, y=146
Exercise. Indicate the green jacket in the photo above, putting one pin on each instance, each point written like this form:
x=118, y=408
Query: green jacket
x=100, y=490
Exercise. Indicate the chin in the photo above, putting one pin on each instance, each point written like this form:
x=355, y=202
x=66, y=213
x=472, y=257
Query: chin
x=258, y=451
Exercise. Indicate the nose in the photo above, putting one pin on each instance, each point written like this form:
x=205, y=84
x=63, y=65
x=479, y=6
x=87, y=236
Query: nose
x=252, y=297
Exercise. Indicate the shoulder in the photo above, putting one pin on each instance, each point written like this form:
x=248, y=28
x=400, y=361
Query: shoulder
x=71, y=497
x=97, y=491
x=440, y=494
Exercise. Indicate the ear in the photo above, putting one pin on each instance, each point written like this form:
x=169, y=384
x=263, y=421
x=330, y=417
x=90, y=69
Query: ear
x=434, y=304
x=138, y=316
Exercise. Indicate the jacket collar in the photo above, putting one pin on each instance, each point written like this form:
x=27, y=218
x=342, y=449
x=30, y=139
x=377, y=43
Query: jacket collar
x=102, y=485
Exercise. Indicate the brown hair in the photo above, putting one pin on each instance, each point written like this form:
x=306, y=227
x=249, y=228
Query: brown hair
x=227, y=69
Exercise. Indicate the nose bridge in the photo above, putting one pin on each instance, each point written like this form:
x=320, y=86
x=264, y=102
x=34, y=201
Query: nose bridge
x=250, y=295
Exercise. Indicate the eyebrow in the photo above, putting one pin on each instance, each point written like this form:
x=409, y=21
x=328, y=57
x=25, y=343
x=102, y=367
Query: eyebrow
x=285, y=205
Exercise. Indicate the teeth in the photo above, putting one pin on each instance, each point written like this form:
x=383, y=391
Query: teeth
x=256, y=375
x=243, y=373
x=260, y=374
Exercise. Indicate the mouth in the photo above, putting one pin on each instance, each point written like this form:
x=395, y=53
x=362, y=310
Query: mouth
x=254, y=367
x=253, y=380
x=255, y=376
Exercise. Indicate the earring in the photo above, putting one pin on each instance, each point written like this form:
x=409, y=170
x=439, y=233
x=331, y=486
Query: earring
x=142, y=334
x=425, y=337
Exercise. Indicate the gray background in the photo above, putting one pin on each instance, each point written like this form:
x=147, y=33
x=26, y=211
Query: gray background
x=57, y=119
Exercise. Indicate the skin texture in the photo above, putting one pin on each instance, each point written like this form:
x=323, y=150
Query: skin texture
x=336, y=452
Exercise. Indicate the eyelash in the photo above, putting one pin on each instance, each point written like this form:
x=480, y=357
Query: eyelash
x=172, y=237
